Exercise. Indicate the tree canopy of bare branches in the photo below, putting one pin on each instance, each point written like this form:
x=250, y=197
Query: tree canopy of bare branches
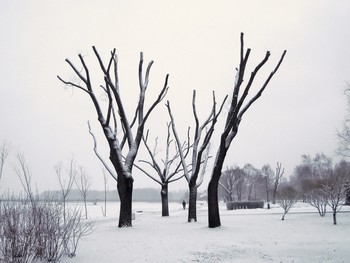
x=114, y=121
x=168, y=170
x=234, y=117
x=200, y=151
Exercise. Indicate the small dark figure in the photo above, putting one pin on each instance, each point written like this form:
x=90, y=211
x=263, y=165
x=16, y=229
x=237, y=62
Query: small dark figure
x=184, y=204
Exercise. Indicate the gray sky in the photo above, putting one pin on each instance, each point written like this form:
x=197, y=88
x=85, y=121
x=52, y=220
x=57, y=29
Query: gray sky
x=197, y=43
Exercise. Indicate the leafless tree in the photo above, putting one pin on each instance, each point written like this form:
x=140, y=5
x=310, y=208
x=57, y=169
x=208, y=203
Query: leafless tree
x=83, y=183
x=112, y=128
x=24, y=175
x=4, y=152
x=170, y=170
x=344, y=137
x=251, y=174
x=317, y=198
x=268, y=174
x=240, y=183
x=277, y=180
x=66, y=182
x=335, y=188
x=344, y=132
x=228, y=182
x=233, y=120
x=287, y=197
x=200, y=152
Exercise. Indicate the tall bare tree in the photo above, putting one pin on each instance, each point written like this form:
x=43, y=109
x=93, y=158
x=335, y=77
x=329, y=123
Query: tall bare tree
x=233, y=120
x=200, y=151
x=277, y=180
x=344, y=137
x=251, y=174
x=169, y=171
x=83, y=183
x=113, y=127
x=268, y=174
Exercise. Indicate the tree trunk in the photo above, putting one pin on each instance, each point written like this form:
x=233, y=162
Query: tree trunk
x=192, y=205
x=213, y=200
x=125, y=187
x=334, y=218
x=165, y=202
x=86, y=215
x=274, y=196
x=213, y=204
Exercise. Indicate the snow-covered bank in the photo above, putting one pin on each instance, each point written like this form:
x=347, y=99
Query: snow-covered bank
x=256, y=235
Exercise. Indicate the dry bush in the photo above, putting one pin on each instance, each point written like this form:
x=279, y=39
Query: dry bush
x=35, y=231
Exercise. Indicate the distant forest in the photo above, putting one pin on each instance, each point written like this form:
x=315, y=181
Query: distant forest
x=139, y=195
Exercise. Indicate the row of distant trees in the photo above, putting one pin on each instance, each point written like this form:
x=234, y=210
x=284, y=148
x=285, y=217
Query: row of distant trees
x=316, y=180
x=250, y=183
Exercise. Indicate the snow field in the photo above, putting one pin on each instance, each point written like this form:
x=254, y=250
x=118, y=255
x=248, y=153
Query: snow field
x=256, y=235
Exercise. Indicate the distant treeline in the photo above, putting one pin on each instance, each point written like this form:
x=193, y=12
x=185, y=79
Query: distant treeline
x=139, y=195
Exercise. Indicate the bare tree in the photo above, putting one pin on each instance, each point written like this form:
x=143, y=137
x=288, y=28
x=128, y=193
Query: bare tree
x=317, y=198
x=251, y=174
x=66, y=182
x=287, y=197
x=169, y=171
x=83, y=183
x=277, y=180
x=200, y=152
x=240, y=183
x=344, y=138
x=112, y=128
x=344, y=133
x=233, y=120
x=4, y=152
x=268, y=173
x=228, y=182
x=335, y=188
x=25, y=177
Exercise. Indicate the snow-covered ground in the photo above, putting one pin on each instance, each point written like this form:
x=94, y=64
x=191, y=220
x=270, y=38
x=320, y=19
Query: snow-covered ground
x=256, y=235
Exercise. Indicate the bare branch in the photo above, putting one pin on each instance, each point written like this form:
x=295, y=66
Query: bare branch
x=110, y=171
x=262, y=88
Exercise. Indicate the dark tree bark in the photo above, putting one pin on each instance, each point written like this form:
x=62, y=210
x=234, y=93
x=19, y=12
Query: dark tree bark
x=213, y=202
x=234, y=117
x=164, y=197
x=192, y=203
x=112, y=126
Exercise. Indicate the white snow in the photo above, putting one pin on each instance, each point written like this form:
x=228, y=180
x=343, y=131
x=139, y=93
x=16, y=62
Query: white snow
x=256, y=235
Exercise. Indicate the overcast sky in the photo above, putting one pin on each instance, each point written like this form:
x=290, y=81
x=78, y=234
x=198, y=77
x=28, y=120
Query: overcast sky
x=197, y=43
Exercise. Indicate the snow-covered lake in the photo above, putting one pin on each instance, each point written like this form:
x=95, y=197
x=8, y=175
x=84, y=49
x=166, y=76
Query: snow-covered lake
x=256, y=235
